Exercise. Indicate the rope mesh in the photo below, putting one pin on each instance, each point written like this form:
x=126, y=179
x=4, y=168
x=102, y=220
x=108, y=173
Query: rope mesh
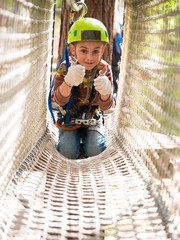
x=131, y=190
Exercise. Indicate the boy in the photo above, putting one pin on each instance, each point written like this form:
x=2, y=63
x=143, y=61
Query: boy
x=91, y=80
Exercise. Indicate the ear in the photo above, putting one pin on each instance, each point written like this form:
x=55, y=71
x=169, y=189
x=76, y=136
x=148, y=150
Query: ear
x=72, y=48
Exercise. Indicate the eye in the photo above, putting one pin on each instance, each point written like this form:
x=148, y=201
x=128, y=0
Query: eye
x=84, y=51
x=96, y=51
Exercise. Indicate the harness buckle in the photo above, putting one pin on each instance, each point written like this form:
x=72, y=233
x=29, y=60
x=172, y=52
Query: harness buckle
x=86, y=122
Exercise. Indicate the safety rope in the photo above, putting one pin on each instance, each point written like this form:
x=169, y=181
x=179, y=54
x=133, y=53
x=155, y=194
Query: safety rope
x=75, y=7
x=66, y=57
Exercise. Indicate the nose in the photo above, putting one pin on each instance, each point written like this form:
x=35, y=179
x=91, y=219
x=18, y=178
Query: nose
x=89, y=56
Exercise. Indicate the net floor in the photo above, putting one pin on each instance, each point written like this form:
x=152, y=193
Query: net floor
x=102, y=197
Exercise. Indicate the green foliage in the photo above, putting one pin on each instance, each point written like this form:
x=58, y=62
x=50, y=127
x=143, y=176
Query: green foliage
x=9, y=4
x=58, y=3
x=167, y=6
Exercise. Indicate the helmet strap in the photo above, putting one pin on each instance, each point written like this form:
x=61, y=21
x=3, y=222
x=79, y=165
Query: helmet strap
x=75, y=52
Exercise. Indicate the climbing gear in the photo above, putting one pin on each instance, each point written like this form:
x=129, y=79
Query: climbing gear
x=78, y=122
x=66, y=57
x=86, y=122
x=59, y=124
x=75, y=7
x=88, y=29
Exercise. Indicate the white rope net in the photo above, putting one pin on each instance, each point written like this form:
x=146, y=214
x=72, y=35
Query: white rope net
x=132, y=189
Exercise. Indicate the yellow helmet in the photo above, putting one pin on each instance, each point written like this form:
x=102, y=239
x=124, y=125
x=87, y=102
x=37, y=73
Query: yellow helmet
x=88, y=29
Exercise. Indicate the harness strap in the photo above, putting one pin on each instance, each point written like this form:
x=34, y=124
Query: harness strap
x=70, y=99
x=59, y=125
x=50, y=92
x=65, y=56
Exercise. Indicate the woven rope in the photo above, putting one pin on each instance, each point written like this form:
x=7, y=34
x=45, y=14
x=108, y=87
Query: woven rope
x=131, y=190
x=95, y=198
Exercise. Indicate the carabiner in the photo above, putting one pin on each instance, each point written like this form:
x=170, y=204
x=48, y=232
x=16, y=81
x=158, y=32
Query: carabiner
x=76, y=7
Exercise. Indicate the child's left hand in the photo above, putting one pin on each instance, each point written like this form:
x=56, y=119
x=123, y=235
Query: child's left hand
x=103, y=85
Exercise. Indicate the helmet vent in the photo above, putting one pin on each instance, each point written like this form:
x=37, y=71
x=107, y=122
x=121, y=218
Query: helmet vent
x=75, y=33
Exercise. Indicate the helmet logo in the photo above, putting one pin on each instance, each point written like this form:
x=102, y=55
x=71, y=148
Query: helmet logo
x=106, y=33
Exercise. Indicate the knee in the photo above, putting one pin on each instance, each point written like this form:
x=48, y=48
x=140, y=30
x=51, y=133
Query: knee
x=96, y=143
x=69, y=145
x=68, y=152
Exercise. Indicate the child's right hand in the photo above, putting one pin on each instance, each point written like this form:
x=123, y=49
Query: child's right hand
x=75, y=75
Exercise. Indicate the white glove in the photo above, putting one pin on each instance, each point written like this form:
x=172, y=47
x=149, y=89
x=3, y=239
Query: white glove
x=75, y=75
x=103, y=85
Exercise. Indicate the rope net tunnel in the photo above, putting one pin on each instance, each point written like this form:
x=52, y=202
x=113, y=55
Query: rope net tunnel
x=129, y=191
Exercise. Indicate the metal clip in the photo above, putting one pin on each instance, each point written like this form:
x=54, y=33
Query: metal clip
x=77, y=6
x=87, y=122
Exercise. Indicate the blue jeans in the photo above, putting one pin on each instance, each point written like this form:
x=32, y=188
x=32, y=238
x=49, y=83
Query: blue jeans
x=93, y=140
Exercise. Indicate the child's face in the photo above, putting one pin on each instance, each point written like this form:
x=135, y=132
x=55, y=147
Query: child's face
x=88, y=53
